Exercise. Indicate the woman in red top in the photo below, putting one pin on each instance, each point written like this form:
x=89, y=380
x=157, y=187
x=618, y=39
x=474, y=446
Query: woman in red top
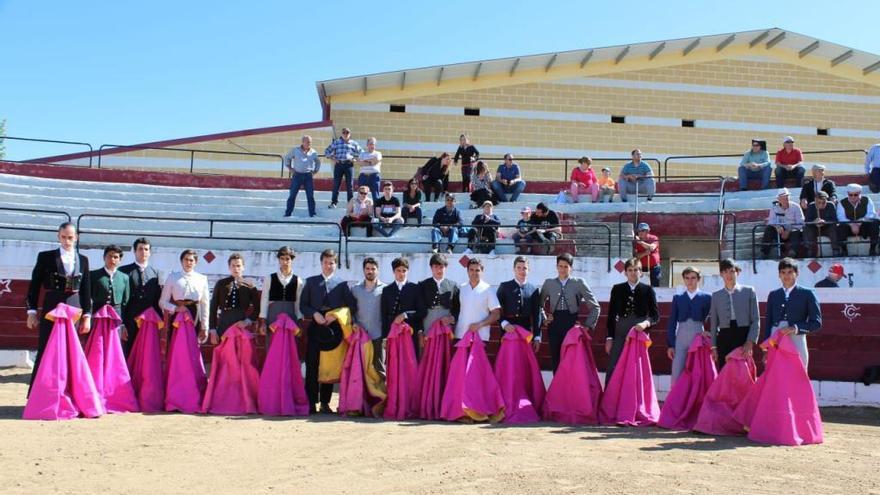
x=789, y=164
x=583, y=180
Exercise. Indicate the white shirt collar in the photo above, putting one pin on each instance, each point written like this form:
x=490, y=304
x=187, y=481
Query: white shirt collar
x=142, y=267
x=734, y=289
x=692, y=294
x=563, y=282
x=109, y=272
x=438, y=281
x=65, y=253
x=521, y=284
x=788, y=290
x=632, y=286
x=399, y=284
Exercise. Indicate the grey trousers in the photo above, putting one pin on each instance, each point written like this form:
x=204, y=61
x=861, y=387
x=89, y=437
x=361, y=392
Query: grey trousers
x=621, y=329
x=684, y=335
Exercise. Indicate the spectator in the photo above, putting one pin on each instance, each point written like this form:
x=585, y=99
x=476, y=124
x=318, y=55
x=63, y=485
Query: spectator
x=388, y=218
x=484, y=231
x=784, y=225
x=481, y=185
x=447, y=221
x=304, y=163
x=789, y=163
x=508, y=181
x=646, y=247
x=432, y=173
x=342, y=152
x=859, y=210
x=606, y=186
x=412, y=201
x=635, y=176
x=820, y=219
x=815, y=184
x=468, y=155
x=583, y=180
x=835, y=273
x=370, y=161
x=755, y=164
x=524, y=229
x=872, y=167
x=360, y=210
x=547, y=229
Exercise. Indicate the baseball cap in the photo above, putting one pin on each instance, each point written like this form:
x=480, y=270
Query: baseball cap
x=642, y=226
x=837, y=269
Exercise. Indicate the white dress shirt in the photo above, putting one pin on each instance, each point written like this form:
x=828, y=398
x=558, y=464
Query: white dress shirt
x=68, y=259
x=285, y=281
x=476, y=304
x=187, y=285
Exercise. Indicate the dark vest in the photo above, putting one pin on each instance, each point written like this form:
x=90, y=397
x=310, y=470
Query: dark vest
x=858, y=211
x=278, y=292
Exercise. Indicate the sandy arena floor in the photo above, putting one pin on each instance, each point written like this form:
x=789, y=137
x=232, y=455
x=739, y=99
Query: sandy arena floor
x=176, y=453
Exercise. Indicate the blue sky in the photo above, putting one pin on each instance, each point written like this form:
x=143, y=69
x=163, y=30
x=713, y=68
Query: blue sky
x=126, y=72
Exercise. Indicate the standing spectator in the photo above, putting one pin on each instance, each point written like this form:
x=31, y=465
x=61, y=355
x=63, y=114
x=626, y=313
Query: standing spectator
x=815, y=184
x=304, y=163
x=359, y=209
x=367, y=314
x=820, y=219
x=784, y=225
x=583, y=180
x=370, y=161
x=412, y=201
x=755, y=164
x=835, y=273
x=636, y=176
x=547, y=228
x=342, y=152
x=646, y=247
x=468, y=154
x=432, y=173
x=872, y=167
x=524, y=229
x=481, y=185
x=387, y=211
x=606, y=186
x=508, y=181
x=447, y=221
x=484, y=232
x=859, y=211
x=789, y=163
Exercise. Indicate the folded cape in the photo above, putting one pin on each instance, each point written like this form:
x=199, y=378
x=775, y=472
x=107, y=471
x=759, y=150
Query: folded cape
x=682, y=405
x=234, y=382
x=185, y=378
x=630, y=398
x=145, y=363
x=519, y=377
x=402, y=374
x=471, y=389
x=361, y=390
x=434, y=369
x=330, y=362
x=282, y=392
x=736, y=379
x=574, y=394
x=107, y=362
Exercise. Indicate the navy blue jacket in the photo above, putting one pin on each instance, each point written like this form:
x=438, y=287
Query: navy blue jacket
x=395, y=301
x=684, y=308
x=319, y=297
x=801, y=310
x=521, y=307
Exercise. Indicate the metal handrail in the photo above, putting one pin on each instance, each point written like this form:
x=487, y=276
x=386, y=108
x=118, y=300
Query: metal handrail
x=192, y=152
x=621, y=216
x=739, y=155
x=55, y=141
x=41, y=212
x=819, y=242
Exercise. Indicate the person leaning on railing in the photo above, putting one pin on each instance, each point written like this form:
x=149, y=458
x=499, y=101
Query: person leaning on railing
x=861, y=216
x=636, y=176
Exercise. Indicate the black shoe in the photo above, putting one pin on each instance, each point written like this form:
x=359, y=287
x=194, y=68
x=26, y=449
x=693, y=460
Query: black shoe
x=325, y=408
x=287, y=215
x=312, y=409
x=650, y=199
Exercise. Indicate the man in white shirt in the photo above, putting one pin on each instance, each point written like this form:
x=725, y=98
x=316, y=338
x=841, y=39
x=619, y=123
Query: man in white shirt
x=370, y=161
x=187, y=290
x=479, y=303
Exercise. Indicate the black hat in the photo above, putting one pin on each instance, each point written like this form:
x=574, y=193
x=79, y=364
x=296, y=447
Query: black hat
x=329, y=337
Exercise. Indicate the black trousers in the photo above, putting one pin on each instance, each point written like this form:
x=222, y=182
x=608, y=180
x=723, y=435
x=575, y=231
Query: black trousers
x=771, y=239
x=317, y=392
x=729, y=339
x=867, y=230
x=561, y=324
x=433, y=185
x=131, y=312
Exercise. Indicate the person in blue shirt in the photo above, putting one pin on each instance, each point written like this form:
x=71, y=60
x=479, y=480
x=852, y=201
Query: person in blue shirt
x=508, y=183
x=755, y=164
x=447, y=222
x=690, y=310
x=636, y=176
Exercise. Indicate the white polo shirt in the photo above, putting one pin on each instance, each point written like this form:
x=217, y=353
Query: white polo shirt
x=476, y=304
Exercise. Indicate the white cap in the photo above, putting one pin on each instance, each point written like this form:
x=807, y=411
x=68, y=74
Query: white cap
x=782, y=192
x=853, y=188
x=787, y=139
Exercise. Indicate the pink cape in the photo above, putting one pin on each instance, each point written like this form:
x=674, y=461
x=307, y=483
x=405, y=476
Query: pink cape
x=235, y=381
x=434, y=369
x=471, y=389
x=282, y=392
x=736, y=379
x=402, y=374
x=186, y=381
x=107, y=362
x=359, y=390
x=682, y=405
x=63, y=387
x=145, y=363
x=781, y=408
x=630, y=399
x=519, y=377
x=574, y=394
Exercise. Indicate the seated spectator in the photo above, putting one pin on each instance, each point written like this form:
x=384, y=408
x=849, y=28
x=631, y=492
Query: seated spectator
x=583, y=180
x=859, y=211
x=815, y=184
x=433, y=173
x=872, y=167
x=547, y=229
x=484, y=231
x=359, y=210
x=636, y=175
x=508, y=183
x=606, y=186
x=524, y=229
x=370, y=161
x=412, y=201
x=646, y=247
x=820, y=220
x=481, y=185
x=388, y=218
x=447, y=222
x=789, y=163
x=784, y=225
x=755, y=164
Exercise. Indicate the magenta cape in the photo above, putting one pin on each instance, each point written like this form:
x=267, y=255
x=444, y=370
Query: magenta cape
x=107, y=362
x=781, y=408
x=471, y=389
x=186, y=381
x=145, y=363
x=360, y=387
x=402, y=376
x=282, y=392
x=736, y=379
x=573, y=397
x=630, y=398
x=519, y=377
x=235, y=381
x=682, y=405
x=63, y=387
x=433, y=369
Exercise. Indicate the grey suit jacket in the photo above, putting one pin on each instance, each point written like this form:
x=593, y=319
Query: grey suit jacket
x=745, y=304
x=576, y=290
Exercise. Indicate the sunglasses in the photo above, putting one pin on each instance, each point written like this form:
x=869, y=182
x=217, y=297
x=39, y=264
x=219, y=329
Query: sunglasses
x=853, y=195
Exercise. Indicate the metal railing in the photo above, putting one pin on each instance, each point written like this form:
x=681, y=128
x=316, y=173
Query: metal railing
x=192, y=153
x=717, y=238
x=665, y=169
x=53, y=141
x=64, y=217
x=806, y=248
